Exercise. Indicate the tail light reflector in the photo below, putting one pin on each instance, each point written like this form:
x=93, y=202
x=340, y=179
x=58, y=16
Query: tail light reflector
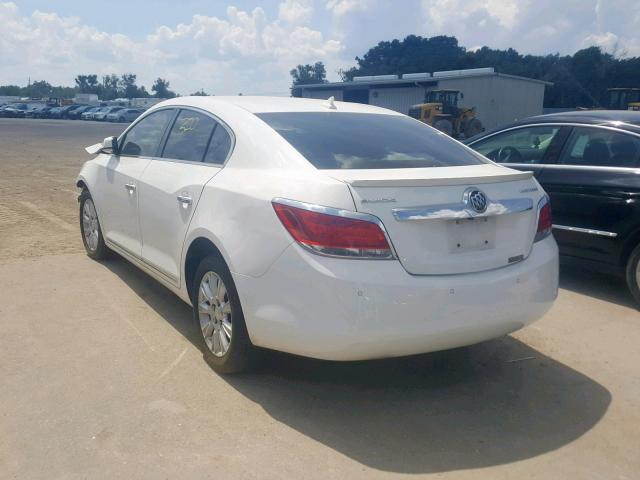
x=545, y=222
x=333, y=232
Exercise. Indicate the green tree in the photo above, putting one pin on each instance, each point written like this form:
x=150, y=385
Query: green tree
x=128, y=84
x=110, y=86
x=161, y=89
x=87, y=83
x=200, y=93
x=40, y=89
x=307, y=74
x=10, y=90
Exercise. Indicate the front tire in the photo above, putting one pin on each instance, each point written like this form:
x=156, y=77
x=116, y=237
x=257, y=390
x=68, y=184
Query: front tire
x=90, y=228
x=217, y=311
x=633, y=274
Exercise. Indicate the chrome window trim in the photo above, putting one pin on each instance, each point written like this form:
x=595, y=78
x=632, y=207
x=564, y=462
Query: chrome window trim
x=176, y=160
x=572, y=124
x=457, y=211
x=589, y=231
x=367, y=217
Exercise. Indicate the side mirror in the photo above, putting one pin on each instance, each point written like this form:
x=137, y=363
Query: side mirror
x=110, y=143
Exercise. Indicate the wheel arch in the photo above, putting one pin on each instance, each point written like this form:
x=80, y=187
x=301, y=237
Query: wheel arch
x=630, y=243
x=200, y=246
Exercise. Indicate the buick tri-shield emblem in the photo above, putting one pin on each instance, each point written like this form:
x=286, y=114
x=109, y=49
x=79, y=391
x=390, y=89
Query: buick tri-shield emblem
x=476, y=199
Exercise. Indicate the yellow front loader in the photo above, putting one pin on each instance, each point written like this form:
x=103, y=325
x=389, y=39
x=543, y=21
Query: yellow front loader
x=440, y=110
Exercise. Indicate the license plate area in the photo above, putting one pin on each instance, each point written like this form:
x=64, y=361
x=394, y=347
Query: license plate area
x=471, y=234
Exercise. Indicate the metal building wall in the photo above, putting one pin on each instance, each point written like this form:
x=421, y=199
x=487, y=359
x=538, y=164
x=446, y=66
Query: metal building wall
x=323, y=94
x=398, y=99
x=498, y=100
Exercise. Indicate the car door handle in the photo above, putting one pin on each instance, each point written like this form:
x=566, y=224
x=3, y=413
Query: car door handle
x=130, y=187
x=185, y=199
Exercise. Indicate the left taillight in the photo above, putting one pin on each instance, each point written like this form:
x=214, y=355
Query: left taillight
x=545, y=221
x=333, y=232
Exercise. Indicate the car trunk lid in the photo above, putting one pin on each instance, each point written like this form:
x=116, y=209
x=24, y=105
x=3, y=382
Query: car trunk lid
x=431, y=219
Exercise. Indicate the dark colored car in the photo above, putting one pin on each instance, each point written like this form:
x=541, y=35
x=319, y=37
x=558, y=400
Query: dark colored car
x=75, y=113
x=15, y=110
x=42, y=113
x=589, y=164
x=66, y=110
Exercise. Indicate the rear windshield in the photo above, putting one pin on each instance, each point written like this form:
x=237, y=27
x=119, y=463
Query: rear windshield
x=334, y=140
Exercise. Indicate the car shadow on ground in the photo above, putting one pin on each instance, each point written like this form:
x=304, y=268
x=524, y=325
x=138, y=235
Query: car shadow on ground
x=603, y=286
x=490, y=404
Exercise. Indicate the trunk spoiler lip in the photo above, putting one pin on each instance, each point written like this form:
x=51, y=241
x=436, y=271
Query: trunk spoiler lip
x=426, y=177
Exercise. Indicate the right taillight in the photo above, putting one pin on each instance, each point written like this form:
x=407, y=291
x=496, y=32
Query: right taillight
x=332, y=232
x=545, y=223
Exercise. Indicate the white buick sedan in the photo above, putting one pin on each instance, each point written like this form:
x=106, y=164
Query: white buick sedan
x=331, y=230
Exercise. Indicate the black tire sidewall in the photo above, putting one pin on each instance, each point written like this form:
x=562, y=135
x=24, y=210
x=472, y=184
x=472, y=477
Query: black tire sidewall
x=241, y=353
x=101, y=251
x=632, y=265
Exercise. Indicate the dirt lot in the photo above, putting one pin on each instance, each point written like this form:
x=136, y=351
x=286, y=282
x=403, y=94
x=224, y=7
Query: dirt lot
x=100, y=375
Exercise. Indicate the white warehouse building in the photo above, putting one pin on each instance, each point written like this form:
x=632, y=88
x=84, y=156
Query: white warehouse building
x=498, y=98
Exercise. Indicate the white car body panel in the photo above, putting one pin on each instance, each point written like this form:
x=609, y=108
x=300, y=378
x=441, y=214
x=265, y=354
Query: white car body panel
x=296, y=301
x=164, y=218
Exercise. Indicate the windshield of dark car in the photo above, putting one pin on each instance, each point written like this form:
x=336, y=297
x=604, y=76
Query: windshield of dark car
x=334, y=140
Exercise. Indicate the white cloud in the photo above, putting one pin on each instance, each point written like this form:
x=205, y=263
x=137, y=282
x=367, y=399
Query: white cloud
x=296, y=11
x=342, y=7
x=244, y=52
x=537, y=26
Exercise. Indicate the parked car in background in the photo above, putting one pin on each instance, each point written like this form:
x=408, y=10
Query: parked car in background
x=68, y=110
x=258, y=210
x=124, y=115
x=102, y=115
x=75, y=114
x=44, y=112
x=14, y=110
x=89, y=113
x=55, y=112
x=589, y=164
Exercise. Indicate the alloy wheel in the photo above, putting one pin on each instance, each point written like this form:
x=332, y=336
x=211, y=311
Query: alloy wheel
x=214, y=313
x=90, y=225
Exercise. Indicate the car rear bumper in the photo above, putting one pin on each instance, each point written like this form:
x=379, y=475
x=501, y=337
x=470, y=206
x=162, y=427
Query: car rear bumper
x=339, y=309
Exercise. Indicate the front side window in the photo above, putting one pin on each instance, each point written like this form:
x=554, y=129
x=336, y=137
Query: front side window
x=601, y=147
x=335, y=140
x=189, y=136
x=522, y=145
x=144, y=137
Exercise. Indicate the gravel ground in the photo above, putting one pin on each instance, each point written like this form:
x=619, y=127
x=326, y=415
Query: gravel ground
x=101, y=376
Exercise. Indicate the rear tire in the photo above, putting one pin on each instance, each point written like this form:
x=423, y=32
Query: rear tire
x=90, y=228
x=444, y=125
x=633, y=274
x=473, y=127
x=218, y=314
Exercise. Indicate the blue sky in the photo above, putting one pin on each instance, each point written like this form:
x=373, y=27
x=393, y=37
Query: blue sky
x=233, y=46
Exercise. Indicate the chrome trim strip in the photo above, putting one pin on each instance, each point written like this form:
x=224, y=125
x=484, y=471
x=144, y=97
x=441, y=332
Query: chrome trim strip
x=455, y=211
x=590, y=231
x=168, y=276
x=367, y=217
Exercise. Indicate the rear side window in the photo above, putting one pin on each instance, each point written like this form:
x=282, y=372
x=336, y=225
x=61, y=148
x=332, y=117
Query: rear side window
x=219, y=146
x=335, y=140
x=189, y=136
x=602, y=148
x=144, y=137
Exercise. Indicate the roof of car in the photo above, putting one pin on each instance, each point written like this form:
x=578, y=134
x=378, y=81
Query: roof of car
x=264, y=104
x=622, y=119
